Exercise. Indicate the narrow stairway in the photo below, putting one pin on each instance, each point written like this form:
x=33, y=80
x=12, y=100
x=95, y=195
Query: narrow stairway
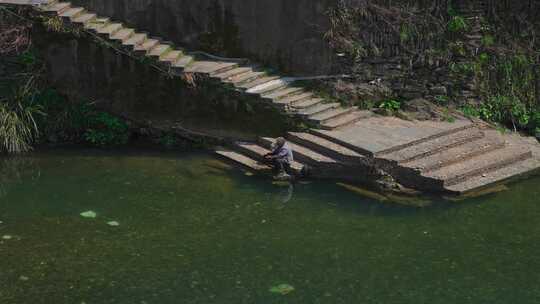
x=249, y=79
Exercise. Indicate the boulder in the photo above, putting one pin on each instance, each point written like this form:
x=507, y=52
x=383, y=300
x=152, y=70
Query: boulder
x=421, y=109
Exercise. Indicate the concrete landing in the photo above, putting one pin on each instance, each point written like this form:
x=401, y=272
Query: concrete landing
x=380, y=134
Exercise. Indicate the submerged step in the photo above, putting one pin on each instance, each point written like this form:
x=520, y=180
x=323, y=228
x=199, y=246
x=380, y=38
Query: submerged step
x=243, y=160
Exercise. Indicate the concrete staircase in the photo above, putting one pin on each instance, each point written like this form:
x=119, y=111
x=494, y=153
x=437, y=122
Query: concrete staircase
x=248, y=79
x=459, y=160
x=345, y=142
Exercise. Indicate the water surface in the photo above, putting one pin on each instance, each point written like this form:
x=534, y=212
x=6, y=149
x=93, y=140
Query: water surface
x=193, y=230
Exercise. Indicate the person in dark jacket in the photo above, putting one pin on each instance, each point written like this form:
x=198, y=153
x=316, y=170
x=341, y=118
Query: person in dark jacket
x=281, y=157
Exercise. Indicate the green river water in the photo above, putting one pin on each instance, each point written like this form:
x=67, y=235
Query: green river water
x=192, y=230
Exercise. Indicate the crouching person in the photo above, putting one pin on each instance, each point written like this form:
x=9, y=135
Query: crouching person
x=281, y=158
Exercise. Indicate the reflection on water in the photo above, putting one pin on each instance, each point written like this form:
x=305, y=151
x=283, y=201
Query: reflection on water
x=191, y=229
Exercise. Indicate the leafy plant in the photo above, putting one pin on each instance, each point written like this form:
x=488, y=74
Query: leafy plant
x=488, y=40
x=442, y=99
x=470, y=111
x=18, y=112
x=106, y=130
x=458, y=24
x=390, y=105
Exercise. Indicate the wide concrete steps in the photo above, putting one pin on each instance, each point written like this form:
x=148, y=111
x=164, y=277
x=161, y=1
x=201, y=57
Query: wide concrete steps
x=303, y=154
x=326, y=147
x=430, y=146
x=257, y=152
x=449, y=156
x=480, y=165
x=319, y=157
x=249, y=79
x=500, y=175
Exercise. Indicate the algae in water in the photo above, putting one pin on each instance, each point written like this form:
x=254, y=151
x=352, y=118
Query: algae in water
x=89, y=214
x=282, y=289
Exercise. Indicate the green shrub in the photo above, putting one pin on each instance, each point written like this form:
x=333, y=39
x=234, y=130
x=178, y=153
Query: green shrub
x=106, y=130
x=390, y=105
x=458, y=24
x=488, y=40
x=18, y=113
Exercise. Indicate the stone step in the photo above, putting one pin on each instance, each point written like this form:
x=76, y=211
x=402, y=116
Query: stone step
x=146, y=46
x=282, y=93
x=224, y=67
x=172, y=57
x=302, y=154
x=232, y=73
x=517, y=170
x=257, y=82
x=345, y=120
x=243, y=160
x=456, y=154
x=123, y=34
x=480, y=165
x=325, y=147
x=159, y=51
x=183, y=62
x=293, y=99
x=269, y=87
x=331, y=114
x=210, y=67
x=318, y=108
x=72, y=12
x=84, y=18
x=306, y=103
x=429, y=147
x=436, y=138
x=109, y=29
x=96, y=24
x=57, y=7
x=245, y=78
x=258, y=152
x=136, y=39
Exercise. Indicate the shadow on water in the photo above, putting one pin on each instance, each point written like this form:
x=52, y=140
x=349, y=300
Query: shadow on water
x=192, y=229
